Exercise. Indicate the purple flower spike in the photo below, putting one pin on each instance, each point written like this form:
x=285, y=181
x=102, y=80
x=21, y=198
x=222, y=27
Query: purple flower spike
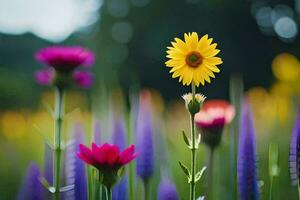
x=44, y=77
x=64, y=58
x=144, y=131
x=48, y=169
x=119, y=139
x=293, y=151
x=247, y=174
x=31, y=187
x=167, y=190
x=75, y=169
x=83, y=79
x=97, y=132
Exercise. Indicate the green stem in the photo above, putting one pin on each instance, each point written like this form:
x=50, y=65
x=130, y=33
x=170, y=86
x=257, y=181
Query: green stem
x=130, y=180
x=108, y=193
x=298, y=189
x=59, y=103
x=193, y=150
x=210, y=168
x=98, y=189
x=271, y=188
x=146, y=189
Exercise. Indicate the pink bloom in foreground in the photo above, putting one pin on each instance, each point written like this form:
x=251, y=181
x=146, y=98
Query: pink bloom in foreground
x=214, y=113
x=64, y=58
x=212, y=118
x=83, y=79
x=44, y=77
x=106, y=156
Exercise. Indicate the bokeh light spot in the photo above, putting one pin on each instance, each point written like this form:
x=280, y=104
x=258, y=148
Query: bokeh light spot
x=286, y=28
x=122, y=32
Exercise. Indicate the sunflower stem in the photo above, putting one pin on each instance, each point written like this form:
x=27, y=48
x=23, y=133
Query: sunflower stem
x=59, y=104
x=193, y=150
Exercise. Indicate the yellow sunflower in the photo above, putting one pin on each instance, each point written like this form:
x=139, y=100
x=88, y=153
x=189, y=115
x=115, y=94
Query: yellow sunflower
x=193, y=60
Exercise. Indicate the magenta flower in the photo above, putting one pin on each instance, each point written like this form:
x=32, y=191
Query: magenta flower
x=83, y=79
x=107, y=159
x=64, y=58
x=45, y=77
x=106, y=156
x=61, y=61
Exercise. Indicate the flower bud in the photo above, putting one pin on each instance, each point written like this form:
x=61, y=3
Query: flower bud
x=193, y=105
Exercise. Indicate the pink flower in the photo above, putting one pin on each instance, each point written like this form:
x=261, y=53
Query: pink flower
x=83, y=79
x=215, y=113
x=64, y=58
x=212, y=118
x=44, y=77
x=106, y=156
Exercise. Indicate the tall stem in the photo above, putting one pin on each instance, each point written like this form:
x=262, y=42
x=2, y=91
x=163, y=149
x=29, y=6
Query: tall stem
x=108, y=193
x=271, y=188
x=210, y=167
x=146, y=189
x=298, y=189
x=59, y=103
x=98, y=189
x=193, y=150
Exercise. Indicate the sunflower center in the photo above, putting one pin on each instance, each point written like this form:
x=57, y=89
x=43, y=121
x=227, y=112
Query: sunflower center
x=194, y=59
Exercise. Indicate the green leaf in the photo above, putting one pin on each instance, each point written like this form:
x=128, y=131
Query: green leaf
x=67, y=188
x=273, y=159
x=198, y=140
x=185, y=169
x=43, y=135
x=199, y=174
x=121, y=172
x=45, y=183
x=48, y=108
x=186, y=140
x=70, y=114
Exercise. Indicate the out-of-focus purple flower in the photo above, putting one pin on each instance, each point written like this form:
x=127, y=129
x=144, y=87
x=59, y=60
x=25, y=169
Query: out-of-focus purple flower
x=167, y=190
x=118, y=136
x=75, y=169
x=45, y=76
x=48, y=170
x=119, y=139
x=83, y=79
x=64, y=58
x=246, y=166
x=31, y=187
x=293, y=151
x=97, y=132
x=144, y=131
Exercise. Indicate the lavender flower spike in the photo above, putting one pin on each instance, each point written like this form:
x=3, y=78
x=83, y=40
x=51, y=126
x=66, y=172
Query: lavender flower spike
x=31, y=187
x=97, y=132
x=247, y=174
x=144, y=136
x=293, y=151
x=166, y=190
x=75, y=169
x=120, y=190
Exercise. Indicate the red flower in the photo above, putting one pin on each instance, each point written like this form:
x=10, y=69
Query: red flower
x=106, y=156
x=64, y=58
x=215, y=113
x=212, y=118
